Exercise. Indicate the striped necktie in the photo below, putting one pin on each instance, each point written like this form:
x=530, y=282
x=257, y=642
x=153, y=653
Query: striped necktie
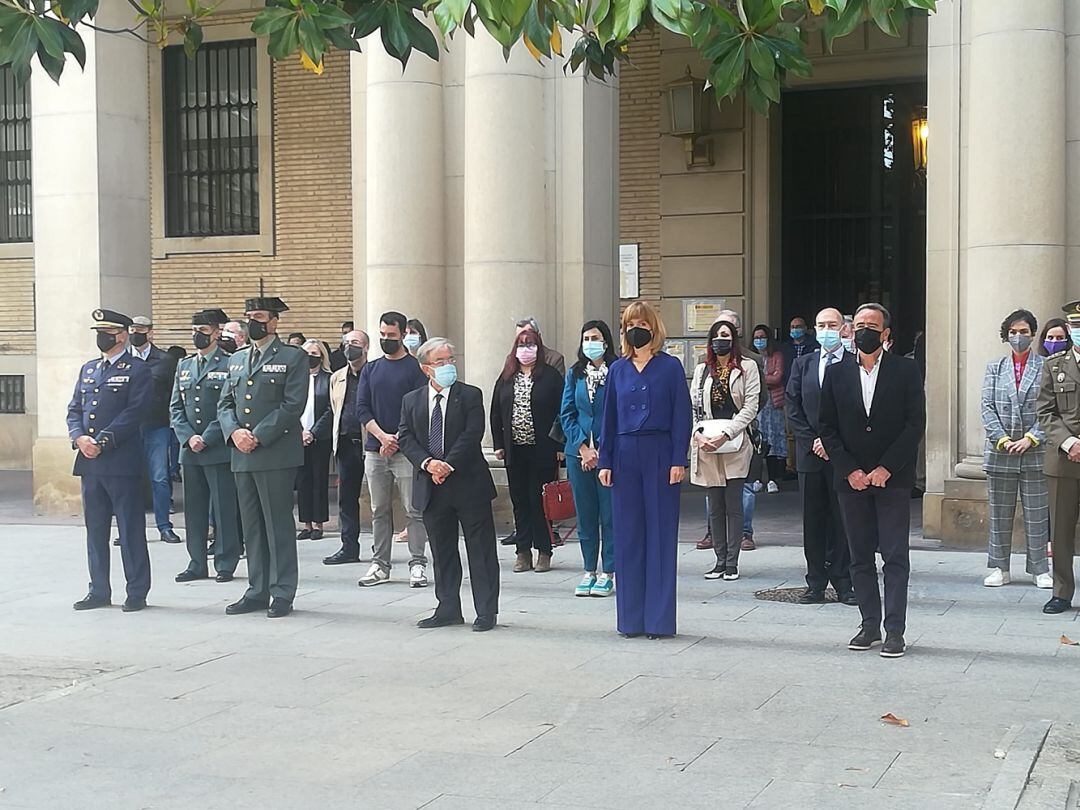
x=435, y=432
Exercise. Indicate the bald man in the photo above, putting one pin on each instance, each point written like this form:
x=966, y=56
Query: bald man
x=824, y=541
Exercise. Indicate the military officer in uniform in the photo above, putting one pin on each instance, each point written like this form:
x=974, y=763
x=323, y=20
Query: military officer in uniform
x=259, y=411
x=1059, y=416
x=204, y=453
x=104, y=421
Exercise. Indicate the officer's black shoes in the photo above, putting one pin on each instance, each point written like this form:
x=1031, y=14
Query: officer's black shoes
x=435, y=620
x=189, y=576
x=866, y=638
x=812, y=596
x=245, y=605
x=279, y=608
x=483, y=624
x=1056, y=605
x=340, y=557
x=893, y=646
x=132, y=605
x=224, y=576
x=316, y=534
x=90, y=602
x=169, y=536
x=303, y=534
x=849, y=598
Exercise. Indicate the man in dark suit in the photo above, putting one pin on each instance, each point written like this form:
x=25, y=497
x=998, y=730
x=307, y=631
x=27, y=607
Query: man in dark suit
x=824, y=542
x=873, y=412
x=442, y=425
x=338, y=360
x=104, y=419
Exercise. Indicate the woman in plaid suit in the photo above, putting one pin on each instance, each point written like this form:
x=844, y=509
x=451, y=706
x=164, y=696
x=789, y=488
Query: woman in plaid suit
x=1014, y=454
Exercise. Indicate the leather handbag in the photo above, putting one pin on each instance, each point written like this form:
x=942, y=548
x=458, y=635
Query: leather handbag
x=712, y=428
x=558, y=499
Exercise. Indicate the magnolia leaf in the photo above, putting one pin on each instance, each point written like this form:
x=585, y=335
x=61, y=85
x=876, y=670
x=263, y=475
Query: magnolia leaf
x=308, y=64
x=271, y=19
x=420, y=36
x=1068, y=642
x=893, y=720
x=761, y=58
x=532, y=48
x=627, y=15
x=556, y=40
x=817, y=7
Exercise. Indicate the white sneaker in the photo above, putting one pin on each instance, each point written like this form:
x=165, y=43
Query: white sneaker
x=772, y=488
x=998, y=578
x=374, y=576
x=417, y=576
x=757, y=487
x=1044, y=580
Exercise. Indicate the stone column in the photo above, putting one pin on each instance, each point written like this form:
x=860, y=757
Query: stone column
x=507, y=274
x=1016, y=186
x=1072, y=149
x=358, y=147
x=406, y=267
x=91, y=225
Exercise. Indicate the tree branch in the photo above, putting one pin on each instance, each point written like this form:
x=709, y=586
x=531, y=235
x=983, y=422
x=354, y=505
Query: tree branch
x=132, y=31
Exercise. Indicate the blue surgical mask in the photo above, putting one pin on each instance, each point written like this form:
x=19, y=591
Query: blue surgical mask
x=445, y=376
x=1074, y=333
x=828, y=338
x=760, y=344
x=411, y=341
x=848, y=344
x=797, y=333
x=592, y=349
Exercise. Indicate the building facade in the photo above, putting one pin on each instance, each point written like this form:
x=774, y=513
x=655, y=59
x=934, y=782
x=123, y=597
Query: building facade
x=475, y=191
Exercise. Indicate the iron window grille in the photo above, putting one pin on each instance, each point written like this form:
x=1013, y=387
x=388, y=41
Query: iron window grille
x=12, y=393
x=16, y=221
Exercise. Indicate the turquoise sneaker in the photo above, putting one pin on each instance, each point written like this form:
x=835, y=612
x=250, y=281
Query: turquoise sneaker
x=605, y=585
x=586, y=586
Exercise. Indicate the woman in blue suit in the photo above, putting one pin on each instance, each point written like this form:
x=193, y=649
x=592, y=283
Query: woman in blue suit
x=643, y=451
x=581, y=416
x=1014, y=455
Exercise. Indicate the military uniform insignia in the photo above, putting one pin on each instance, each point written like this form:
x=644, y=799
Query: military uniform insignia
x=275, y=368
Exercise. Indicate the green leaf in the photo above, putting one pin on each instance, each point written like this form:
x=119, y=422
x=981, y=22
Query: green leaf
x=368, y=18
x=603, y=7
x=457, y=9
x=627, y=15
x=74, y=45
x=49, y=36
x=394, y=35
x=444, y=18
x=539, y=35
x=272, y=19
x=286, y=41
x=925, y=5
x=844, y=24
x=513, y=11
x=837, y=5
x=24, y=43
x=880, y=12
x=193, y=38
x=756, y=99
x=340, y=39
x=75, y=10
x=53, y=66
x=727, y=74
x=420, y=36
x=312, y=41
x=761, y=58
x=770, y=87
x=330, y=16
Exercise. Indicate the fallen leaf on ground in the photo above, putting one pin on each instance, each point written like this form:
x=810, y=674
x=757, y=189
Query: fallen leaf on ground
x=893, y=720
x=1068, y=642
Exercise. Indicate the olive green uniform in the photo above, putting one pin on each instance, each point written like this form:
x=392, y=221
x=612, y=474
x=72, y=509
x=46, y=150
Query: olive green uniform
x=267, y=397
x=208, y=478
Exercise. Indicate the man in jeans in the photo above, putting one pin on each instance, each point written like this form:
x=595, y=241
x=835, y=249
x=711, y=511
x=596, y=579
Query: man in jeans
x=382, y=386
x=157, y=433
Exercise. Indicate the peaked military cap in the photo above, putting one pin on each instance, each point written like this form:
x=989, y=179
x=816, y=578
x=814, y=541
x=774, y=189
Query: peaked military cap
x=141, y=320
x=1072, y=312
x=109, y=319
x=270, y=304
x=209, y=317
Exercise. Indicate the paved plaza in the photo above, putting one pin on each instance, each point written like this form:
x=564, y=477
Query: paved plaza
x=347, y=704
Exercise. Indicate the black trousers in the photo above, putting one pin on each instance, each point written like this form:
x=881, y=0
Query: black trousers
x=441, y=519
x=726, y=522
x=824, y=541
x=879, y=519
x=313, y=483
x=119, y=496
x=528, y=468
x=350, y=468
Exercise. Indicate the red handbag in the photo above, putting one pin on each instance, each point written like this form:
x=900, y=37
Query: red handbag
x=558, y=500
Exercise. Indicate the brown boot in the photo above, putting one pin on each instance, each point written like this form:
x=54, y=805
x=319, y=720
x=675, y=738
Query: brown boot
x=705, y=542
x=523, y=562
x=747, y=543
x=543, y=563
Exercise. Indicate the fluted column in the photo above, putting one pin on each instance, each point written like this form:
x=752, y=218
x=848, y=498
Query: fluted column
x=1072, y=149
x=406, y=267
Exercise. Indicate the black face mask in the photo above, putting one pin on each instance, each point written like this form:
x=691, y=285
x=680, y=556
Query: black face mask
x=227, y=344
x=721, y=346
x=201, y=340
x=638, y=337
x=138, y=339
x=353, y=353
x=314, y=361
x=257, y=330
x=867, y=340
x=389, y=346
x=105, y=341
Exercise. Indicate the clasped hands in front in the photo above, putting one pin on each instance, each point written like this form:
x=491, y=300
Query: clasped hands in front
x=439, y=470
x=860, y=480
x=244, y=440
x=675, y=476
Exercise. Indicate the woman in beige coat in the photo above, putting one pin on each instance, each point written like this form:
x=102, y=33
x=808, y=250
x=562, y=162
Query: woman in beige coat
x=725, y=395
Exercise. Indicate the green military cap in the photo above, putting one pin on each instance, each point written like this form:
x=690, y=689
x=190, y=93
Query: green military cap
x=209, y=317
x=267, y=303
x=1072, y=312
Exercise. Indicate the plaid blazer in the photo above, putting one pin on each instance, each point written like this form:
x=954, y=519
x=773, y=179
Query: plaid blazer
x=1008, y=412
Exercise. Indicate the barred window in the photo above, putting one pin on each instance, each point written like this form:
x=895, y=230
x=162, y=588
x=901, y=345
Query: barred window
x=16, y=222
x=12, y=393
x=211, y=140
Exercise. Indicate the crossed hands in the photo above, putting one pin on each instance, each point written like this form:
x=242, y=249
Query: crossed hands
x=860, y=480
x=439, y=470
x=389, y=444
x=244, y=440
x=88, y=447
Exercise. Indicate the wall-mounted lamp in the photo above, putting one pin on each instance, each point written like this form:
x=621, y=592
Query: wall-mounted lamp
x=920, y=132
x=688, y=104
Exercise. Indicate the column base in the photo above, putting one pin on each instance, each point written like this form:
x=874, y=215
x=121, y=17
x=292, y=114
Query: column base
x=56, y=490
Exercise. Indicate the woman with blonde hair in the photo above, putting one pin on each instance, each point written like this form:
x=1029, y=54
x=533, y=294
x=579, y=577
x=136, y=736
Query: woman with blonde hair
x=643, y=446
x=317, y=420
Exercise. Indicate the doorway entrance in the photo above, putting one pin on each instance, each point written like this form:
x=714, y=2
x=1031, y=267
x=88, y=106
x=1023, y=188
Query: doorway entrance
x=853, y=220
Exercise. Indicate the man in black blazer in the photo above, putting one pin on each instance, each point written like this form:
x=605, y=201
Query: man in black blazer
x=824, y=541
x=873, y=412
x=442, y=425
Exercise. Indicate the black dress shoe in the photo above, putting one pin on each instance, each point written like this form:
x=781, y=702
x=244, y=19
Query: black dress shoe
x=435, y=620
x=340, y=557
x=210, y=549
x=90, y=602
x=510, y=539
x=867, y=637
x=316, y=534
x=1057, y=605
x=169, y=536
x=655, y=636
x=812, y=597
x=190, y=576
x=245, y=605
x=631, y=635
x=484, y=623
x=279, y=608
x=224, y=576
x=303, y=534
x=848, y=598
x=893, y=646
x=132, y=605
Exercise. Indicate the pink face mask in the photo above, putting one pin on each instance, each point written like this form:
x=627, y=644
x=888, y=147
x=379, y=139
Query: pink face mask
x=526, y=355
